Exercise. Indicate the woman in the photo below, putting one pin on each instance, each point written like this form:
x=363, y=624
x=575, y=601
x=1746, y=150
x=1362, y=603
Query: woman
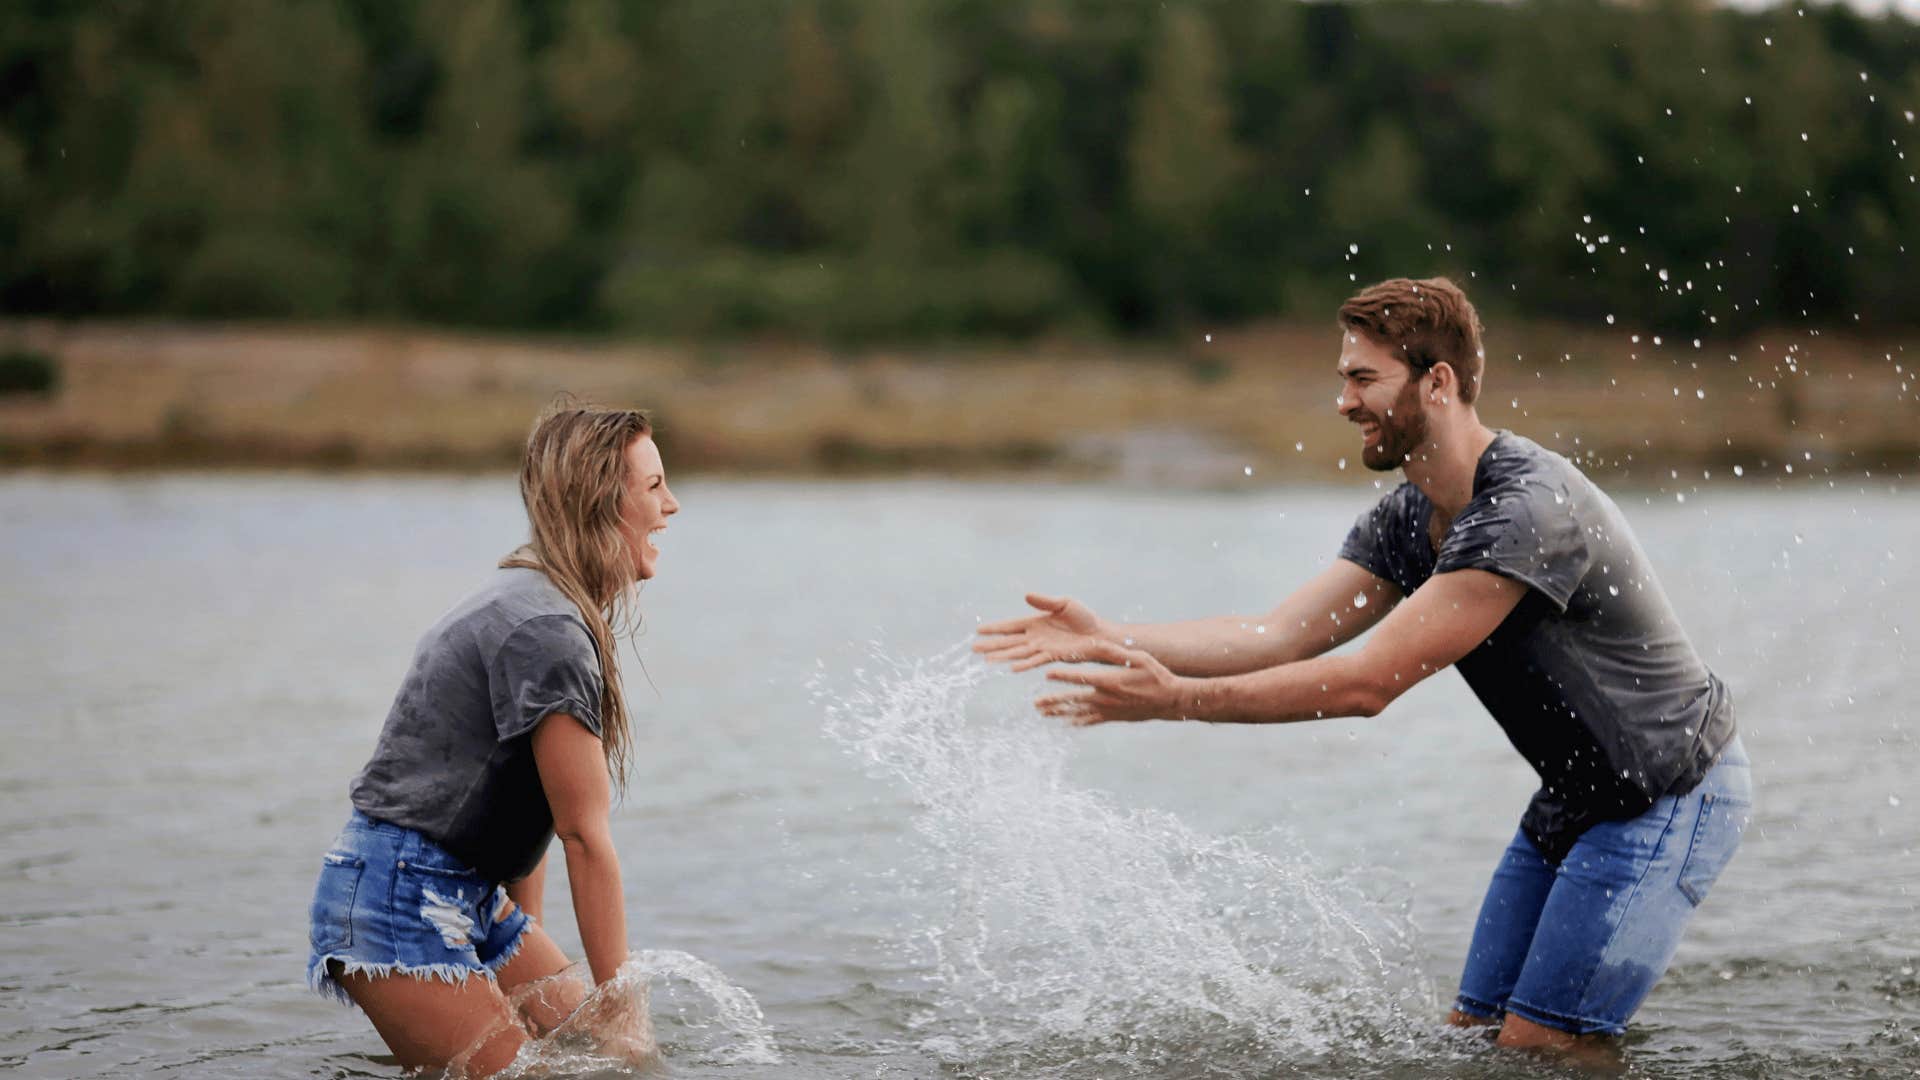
x=509, y=728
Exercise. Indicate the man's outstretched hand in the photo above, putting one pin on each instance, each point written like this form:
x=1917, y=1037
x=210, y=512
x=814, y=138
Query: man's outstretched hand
x=1065, y=630
x=1133, y=686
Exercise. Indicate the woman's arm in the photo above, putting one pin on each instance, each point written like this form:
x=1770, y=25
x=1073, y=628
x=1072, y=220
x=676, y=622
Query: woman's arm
x=573, y=771
x=529, y=893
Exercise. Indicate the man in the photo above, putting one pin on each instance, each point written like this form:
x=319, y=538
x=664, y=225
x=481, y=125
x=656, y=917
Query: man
x=1501, y=558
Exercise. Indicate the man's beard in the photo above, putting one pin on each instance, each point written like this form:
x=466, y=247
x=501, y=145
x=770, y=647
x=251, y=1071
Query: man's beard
x=1402, y=433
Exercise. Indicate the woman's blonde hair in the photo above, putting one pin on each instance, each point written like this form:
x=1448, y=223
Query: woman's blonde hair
x=573, y=482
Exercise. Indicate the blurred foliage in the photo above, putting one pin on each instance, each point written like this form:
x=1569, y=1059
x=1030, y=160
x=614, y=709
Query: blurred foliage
x=857, y=170
x=28, y=371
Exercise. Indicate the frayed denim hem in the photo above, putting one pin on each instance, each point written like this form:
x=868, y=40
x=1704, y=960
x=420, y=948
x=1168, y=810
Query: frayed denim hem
x=506, y=955
x=321, y=982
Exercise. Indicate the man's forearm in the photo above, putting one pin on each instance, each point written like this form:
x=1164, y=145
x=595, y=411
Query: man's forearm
x=1222, y=645
x=599, y=904
x=1314, y=689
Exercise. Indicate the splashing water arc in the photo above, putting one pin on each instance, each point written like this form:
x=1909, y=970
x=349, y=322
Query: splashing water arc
x=613, y=1029
x=1073, y=920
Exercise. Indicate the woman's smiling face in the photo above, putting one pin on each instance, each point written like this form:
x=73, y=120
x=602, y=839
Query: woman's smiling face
x=647, y=506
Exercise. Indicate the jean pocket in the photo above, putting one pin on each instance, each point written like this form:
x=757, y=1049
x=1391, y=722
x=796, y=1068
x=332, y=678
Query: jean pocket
x=330, y=920
x=446, y=901
x=1716, y=835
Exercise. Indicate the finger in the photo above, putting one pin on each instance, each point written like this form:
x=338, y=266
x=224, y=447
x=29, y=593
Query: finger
x=1006, y=626
x=1037, y=660
x=1012, y=649
x=1062, y=708
x=1095, y=679
x=1106, y=652
x=1052, y=605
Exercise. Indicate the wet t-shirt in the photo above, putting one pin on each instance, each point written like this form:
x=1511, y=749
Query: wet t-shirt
x=455, y=759
x=1590, y=676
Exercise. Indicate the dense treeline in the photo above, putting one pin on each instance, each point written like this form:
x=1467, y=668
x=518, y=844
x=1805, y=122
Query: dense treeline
x=851, y=168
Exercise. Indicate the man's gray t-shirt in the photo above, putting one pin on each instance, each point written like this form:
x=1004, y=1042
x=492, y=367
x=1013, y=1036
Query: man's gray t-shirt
x=1591, y=676
x=455, y=760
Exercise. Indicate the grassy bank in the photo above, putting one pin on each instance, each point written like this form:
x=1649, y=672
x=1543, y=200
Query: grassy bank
x=1200, y=410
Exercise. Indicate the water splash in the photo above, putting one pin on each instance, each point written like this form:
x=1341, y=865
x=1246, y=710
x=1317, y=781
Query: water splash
x=1109, y=934
x=609, y=1029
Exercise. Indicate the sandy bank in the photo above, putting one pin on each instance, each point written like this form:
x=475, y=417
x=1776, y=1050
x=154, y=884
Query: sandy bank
x=1196, y=411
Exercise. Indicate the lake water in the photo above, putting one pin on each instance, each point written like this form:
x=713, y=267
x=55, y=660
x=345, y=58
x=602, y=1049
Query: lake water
x=837, y=816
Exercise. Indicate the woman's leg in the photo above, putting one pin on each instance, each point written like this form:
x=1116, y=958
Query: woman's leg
x=428, y=1022
x=532, y=982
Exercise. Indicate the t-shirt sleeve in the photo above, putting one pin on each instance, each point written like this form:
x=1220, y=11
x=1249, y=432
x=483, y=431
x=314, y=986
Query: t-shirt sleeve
x=1363, y=544
x=1528, y=531
x=546, y=665
x=1371, y=543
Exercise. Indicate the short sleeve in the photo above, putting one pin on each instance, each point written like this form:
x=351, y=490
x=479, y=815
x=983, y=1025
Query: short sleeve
x=1526, y=530
x=546, y=665
x=1363, y=546
x=1386, y=542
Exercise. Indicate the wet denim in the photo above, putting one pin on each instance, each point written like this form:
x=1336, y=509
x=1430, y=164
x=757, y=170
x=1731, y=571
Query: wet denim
x=391, y=900
x=1578, y=945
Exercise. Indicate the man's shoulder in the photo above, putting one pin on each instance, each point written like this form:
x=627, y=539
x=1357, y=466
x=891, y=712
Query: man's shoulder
x=1405, y=499
x=1517, y=469
x=1514, y=458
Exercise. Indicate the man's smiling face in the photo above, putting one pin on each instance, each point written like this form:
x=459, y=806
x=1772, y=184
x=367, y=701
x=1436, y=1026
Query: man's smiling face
x=1381, y=393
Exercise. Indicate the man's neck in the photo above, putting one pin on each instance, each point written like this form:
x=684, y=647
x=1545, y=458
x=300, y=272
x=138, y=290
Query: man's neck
x=1444, y=466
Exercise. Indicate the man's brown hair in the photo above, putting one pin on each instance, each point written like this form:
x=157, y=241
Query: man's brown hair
x=1429, y=321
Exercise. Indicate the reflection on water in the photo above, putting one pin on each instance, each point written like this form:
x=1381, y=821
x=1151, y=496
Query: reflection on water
x=945, y=884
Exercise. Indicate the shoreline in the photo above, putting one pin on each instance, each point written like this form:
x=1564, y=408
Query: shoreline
x=144, y=397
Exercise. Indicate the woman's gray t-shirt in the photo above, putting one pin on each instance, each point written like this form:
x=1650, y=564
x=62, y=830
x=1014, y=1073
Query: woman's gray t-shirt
x=1591, y=676
x=455, y=759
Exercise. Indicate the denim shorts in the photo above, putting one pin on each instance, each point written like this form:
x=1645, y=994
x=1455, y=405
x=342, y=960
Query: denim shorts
x=389, y=899
x=1576, y=947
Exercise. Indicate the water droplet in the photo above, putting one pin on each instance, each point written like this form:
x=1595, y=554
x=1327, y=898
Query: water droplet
x=1701, y=394
x=1738, y=471
x=1299, y=446
x=1894, y=800
x=1609, y=320
x=1343, y=463
x=1353, y=249
x=1249, y=470
x=1360, y=600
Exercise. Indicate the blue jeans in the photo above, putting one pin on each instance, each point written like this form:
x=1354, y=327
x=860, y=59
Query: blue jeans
x=391, y=900
x=1577, y=947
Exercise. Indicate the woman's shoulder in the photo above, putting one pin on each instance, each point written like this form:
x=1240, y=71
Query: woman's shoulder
x=516, y=601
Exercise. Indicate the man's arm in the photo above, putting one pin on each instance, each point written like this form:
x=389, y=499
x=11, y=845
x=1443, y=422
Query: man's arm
x=1331, y=609
x=1335, y=606
x=1441, y=622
